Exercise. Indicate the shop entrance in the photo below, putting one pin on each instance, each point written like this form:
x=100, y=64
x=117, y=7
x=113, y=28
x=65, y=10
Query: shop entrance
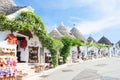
x=19, y=49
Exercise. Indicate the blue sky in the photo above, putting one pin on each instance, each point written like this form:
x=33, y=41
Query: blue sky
x=95, y=17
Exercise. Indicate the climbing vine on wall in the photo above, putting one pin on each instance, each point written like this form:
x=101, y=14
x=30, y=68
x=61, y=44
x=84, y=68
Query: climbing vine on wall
x=68, y=42
x=30, y=21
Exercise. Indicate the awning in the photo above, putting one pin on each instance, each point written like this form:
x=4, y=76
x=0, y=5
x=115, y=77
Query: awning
x=27, y=33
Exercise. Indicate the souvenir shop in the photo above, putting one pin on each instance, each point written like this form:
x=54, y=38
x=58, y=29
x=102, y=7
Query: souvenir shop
x=28, y=47
x=16, y=48
x=8, y=60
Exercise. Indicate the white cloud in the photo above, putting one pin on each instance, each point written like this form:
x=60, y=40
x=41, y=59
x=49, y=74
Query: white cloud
x=110, y=16
x=106, y=7
x=102, y=5
x=109, y=11
x=87, y=27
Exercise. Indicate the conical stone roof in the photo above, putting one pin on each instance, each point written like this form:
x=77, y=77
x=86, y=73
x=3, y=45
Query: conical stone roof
x=104, y=40
x=55, y=34
x=6, y=5
x=118, y=44
x=77, y=34
x=64, y=31
x=9, y=7
x=91, y=39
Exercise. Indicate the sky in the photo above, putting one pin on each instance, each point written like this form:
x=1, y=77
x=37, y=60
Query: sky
x=92, y=17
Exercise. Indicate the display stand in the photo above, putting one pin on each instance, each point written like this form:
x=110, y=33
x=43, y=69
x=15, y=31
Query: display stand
x=8, y=61
x=33, y=54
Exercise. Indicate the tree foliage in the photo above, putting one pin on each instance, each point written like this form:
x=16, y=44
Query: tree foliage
x=68, y=42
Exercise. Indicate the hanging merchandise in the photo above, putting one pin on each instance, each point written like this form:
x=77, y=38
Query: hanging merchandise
x=23, y=44
x=8, y=60
x=12, y=39
x=7, y=67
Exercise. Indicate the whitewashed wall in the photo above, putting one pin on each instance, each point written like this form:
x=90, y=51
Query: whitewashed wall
x=111, y=51
x=84, y=50
x=36, y=43
x=3, y=42
x=31, y=42
x=73, y=49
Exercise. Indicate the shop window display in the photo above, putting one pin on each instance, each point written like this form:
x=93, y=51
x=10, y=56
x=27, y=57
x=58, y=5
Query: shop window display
x=33, y=54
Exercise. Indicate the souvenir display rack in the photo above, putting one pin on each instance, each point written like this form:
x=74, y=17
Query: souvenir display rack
x=8, y=62
x=33, y=54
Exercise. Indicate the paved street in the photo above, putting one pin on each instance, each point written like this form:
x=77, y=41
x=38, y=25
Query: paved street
x=101, y=69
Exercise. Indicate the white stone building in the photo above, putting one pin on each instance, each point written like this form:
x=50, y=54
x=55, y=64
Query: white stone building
x=34, y=46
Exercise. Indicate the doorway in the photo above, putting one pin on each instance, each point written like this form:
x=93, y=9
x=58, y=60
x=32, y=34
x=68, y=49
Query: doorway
x=19, y=50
